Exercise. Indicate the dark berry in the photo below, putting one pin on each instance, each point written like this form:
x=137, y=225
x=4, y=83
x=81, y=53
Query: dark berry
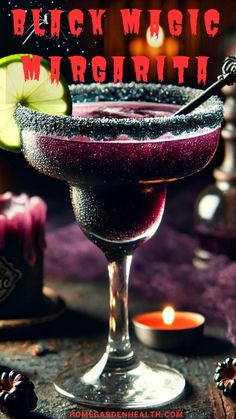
x=225, y=377
x=20, y=385
x=17, y=396
x=218, y=369
x=2, y=395
x=33, y=402
x=228, y=361
x=7, y=402
x=218, y=377
x=11, y=376
x=20, y=377
x=220, y=385
x=226, y=392
x=4, y=378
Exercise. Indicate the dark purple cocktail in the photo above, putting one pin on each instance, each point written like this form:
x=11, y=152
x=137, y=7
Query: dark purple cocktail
x=118, y=187
x=118, y=154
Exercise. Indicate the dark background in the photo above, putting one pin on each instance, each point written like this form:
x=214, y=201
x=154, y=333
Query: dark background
x=15, y=173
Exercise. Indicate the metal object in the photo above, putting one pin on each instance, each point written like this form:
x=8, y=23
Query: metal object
x=227, y=77
x=215, y=210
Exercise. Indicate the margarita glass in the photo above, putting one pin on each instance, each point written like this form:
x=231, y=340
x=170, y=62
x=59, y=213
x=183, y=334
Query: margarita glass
x=118, y=153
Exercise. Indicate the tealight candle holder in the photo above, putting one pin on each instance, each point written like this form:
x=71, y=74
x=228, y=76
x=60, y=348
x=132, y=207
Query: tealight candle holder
x=169, y=329
x=23, y=301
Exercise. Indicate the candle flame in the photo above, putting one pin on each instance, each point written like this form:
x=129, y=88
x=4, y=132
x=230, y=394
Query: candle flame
x=168, y=315
x=155, y=41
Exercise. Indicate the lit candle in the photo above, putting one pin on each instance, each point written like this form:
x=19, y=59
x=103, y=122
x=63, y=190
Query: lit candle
x=22, y=221
x=169, y=329
x=155, y=41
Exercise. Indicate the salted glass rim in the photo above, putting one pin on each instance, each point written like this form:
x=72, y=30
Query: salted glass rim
x=209, y=114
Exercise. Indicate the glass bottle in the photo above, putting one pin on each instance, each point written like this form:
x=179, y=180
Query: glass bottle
x=215, y=209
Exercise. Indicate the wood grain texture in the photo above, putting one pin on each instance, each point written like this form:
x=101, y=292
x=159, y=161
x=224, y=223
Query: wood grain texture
x=222, y=407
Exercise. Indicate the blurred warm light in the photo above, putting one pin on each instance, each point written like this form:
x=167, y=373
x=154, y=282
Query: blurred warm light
x=171, y=47
x=155, y=41
x=137, y=46
x=208, y=206
x=168, y=315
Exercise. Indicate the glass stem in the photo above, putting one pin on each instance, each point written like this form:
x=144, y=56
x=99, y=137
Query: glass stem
x=119, y=348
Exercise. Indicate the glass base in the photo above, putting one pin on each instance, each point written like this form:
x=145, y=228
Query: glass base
x=141, y=385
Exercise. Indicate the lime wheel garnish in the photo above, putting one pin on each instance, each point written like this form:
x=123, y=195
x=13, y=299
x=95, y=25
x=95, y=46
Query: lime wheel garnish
x=40, y=95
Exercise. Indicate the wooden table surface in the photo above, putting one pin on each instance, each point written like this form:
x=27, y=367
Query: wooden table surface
x=83, y=328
